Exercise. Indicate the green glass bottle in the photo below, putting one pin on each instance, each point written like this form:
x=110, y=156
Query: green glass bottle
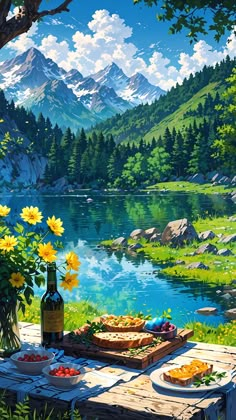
x=52, y=310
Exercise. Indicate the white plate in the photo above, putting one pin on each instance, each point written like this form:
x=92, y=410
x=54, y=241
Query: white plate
x=157, y=378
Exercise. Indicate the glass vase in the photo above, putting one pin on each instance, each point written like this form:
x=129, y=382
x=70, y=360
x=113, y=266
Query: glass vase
x=9, y=329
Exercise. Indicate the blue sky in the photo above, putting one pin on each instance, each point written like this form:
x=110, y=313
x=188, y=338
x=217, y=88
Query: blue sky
x=98, y=32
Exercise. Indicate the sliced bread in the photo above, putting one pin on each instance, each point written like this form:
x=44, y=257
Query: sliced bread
x=185, y=374
x=122, y=340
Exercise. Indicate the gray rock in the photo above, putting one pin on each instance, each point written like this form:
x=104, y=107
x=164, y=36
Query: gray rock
x=206, y=249
x=226, y=296
x=216, y=177
x=179, y=262
x=134, y=247
x=232, y=219
x=199, y=265
x=233, y=281
x=233, y=180
x=178, y=232
x=155, y=238
x=224, y=180
x=218, y=292
x=233, y=197
x=232, y=292
x=210, y=175
x=231, y=313
x=150, y=232
x=228, y=239
x=121, y=241
x=197, y=178
x=207, y=234
x=207, y=310
x=137, y=234
x=224, y=252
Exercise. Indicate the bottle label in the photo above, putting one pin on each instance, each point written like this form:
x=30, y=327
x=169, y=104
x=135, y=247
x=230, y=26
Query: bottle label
x=53, y=321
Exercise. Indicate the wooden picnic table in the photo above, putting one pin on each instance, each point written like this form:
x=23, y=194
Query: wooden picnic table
x=114, y=391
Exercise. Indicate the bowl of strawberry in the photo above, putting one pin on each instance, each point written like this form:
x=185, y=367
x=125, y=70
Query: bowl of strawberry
x=160, y=327
x=32, y=362
x=64, y=375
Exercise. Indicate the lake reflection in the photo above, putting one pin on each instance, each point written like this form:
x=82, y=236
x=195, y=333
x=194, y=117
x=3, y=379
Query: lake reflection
x=120, y=283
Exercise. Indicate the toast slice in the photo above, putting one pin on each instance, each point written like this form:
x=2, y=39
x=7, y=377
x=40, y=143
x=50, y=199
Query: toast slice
x=122, y=340
x=186, y=374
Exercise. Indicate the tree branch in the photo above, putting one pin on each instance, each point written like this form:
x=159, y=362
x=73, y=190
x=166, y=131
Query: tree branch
x=59, y=9
x=4, y=7
x=22, y=22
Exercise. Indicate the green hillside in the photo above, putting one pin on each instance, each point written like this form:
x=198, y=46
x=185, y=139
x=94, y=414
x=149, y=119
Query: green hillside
x=148, y=121
x=178, y=120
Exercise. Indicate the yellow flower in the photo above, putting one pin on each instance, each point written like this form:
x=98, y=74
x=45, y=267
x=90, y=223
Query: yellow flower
x=70, y=281
x=46, y=252
x=55, y=225
x=4, y=210
x=31, y=215
x=72, y=261
x=17, y=280
x=7, y=243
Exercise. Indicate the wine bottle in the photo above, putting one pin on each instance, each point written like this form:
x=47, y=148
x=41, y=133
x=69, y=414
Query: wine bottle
x=52, y=310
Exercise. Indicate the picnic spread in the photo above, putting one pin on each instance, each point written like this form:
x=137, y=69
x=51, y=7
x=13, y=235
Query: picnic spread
x=154, y=384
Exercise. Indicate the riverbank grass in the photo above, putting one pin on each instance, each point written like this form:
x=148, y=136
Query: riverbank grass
x=186, y=186
x=78, y=313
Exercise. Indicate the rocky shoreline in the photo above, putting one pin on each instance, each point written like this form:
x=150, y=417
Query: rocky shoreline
x=176, y=235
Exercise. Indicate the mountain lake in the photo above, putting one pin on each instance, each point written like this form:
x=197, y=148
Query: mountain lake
x=114, y=281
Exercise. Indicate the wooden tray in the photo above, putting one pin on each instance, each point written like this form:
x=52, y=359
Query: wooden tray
x=125, y=357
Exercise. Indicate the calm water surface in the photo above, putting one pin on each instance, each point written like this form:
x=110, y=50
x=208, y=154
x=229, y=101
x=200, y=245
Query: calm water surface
x=116, y=282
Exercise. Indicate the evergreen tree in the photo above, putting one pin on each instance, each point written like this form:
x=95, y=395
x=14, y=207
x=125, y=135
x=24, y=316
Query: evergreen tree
x=54, y=162
x=224, y=147
x=3, y=103
x=178, y=157
x=74, y=163
x=168, y=141
x=114, y=166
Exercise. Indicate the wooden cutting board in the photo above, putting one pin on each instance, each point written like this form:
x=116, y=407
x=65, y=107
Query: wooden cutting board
x=138, y=359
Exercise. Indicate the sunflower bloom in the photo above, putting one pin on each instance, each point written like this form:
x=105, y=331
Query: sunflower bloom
x=46, y=252
x=4, y=210
x=70, y=281
x=17, y=280
x=31, y=215
x=72, y=261
x=7, y=243
x=55, y=225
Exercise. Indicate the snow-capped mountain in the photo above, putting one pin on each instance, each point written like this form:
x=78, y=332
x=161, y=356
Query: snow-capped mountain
x=135, y=90
x=100, y=99
x=113, y=77
x=65, y=109
x=29, y=70
x=68, y=98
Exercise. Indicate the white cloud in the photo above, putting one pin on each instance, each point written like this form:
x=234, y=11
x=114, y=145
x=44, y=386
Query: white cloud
x=108, y=41
x=24, y=41
x=53, y=49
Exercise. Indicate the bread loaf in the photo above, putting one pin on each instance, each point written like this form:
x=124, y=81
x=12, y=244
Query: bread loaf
x=123, y=323
x=185, y=375
x=122, y=340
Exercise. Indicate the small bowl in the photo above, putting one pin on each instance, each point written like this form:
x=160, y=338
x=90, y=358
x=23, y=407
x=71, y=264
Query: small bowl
x=166, y=335
x=62, y=382
x=32, y=368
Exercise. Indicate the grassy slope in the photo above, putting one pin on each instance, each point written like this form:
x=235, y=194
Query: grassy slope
x=176, y=120
x=186, y=186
